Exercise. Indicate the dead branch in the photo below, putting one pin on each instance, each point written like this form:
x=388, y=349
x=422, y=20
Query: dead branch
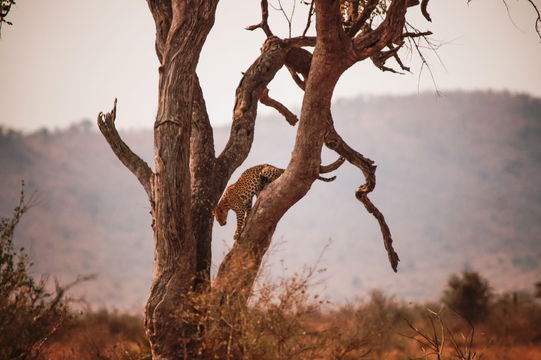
x=416, y=34
x=264, y=25
x=434, y=344
x=106, y=124
x=300, y=60
x=324, y=169
x=335, y=142
x=282, y=109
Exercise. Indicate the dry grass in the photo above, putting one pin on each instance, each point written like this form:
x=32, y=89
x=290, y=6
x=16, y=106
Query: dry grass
x=285, y=322
x=102, y=335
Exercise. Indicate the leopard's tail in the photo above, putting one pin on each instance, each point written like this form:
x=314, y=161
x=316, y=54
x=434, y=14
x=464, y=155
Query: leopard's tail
x=326, y=179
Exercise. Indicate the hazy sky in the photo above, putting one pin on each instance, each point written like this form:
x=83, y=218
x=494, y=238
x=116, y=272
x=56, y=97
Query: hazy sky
x=65, y=60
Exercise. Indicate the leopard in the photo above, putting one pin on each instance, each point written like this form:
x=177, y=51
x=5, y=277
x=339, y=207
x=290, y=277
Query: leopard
x=238, y=196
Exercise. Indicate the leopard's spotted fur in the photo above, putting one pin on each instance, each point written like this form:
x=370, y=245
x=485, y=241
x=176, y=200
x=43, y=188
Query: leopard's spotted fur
x=238, y=196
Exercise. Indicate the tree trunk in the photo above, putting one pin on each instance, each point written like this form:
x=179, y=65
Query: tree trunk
x=176, y=258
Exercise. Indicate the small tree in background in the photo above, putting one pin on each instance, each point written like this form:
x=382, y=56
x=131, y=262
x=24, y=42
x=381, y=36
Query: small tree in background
x=537, y=290
x=469, y=295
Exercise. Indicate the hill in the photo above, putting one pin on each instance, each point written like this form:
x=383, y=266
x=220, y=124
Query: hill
x=458, y=180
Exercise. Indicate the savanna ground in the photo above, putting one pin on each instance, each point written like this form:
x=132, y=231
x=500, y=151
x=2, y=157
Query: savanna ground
x=284, y=320
x=299, y=327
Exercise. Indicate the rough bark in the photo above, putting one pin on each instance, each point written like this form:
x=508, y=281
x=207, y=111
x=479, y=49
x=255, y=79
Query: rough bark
x=206, y=188
x=182, y=27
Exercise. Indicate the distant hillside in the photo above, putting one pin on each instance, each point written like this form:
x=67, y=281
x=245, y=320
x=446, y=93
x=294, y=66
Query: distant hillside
x=459, y=181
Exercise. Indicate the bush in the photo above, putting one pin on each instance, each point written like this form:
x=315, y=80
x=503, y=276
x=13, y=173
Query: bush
x=469, y=295
x=28, y=313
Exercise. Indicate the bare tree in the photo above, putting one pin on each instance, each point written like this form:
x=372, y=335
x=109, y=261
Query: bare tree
x=189, y=177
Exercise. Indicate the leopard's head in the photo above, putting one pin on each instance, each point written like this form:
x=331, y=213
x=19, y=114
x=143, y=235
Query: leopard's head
x=220, y=213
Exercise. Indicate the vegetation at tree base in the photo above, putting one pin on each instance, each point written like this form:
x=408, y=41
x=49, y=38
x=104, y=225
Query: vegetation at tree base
x=29, y=314
x=469, y=295
x=287, y=321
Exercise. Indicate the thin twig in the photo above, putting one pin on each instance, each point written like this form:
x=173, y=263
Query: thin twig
x=309, y=19
x=288, y=19
x=538, y=20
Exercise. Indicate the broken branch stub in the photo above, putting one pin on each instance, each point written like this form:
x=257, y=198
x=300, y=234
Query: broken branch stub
x=106, y=124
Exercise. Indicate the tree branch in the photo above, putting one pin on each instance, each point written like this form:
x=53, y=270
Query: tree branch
x=106, y=124
x=424, y=11
x=300, y=61
x=282, y=109
x=416, y=34
x=323, y=169
x=388, y=32
x=301, y=41
x=381, y=58
x=248, y=93
x=335, y=142
x=537, y=20
x=309, y=19
x=264, y=25
x=365, y=15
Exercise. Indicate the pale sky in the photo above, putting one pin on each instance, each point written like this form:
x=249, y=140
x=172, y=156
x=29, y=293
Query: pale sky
x=65, y=60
